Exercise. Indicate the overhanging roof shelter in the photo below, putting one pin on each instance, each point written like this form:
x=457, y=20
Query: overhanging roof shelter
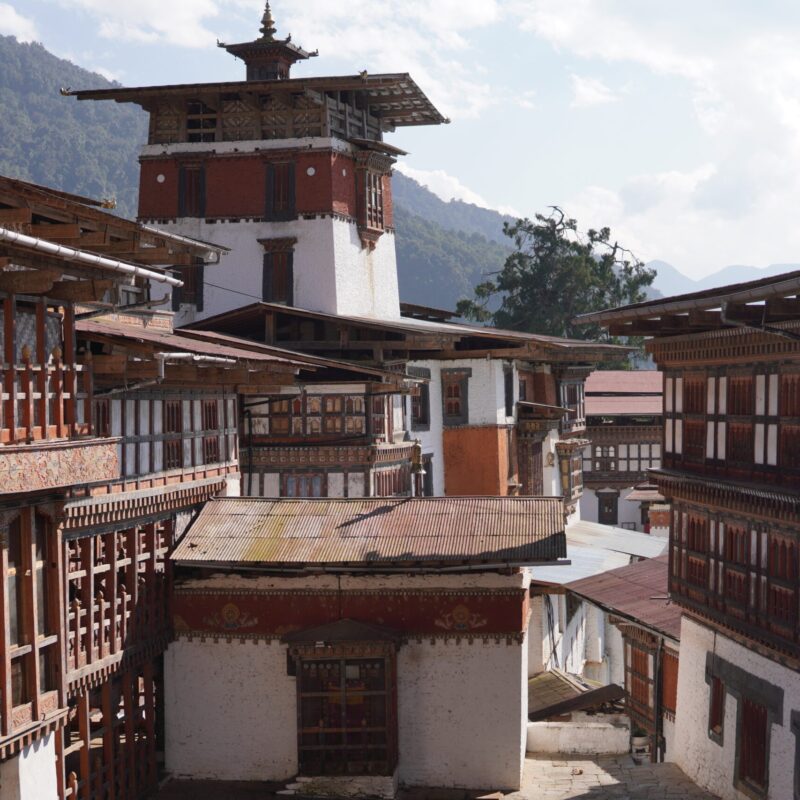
x=377, y=339
x=394, y=98
x=769, y=305
x=378, y=535
x=638, y=593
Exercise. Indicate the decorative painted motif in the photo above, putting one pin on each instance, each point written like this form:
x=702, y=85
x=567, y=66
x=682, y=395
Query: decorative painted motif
x=272, y=613
x=231, y=618
x=30, y=468
x=460, y=619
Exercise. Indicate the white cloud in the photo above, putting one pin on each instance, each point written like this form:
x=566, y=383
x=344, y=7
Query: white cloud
x=176, y=22
x=736, y=202
x=12, y=23
x=587, y=92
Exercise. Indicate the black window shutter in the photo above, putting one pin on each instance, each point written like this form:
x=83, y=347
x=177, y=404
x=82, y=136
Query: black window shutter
x=201, y=211
x=266, y=285
x=269, y=210
x=291, y=209
x=182, y=192
x=290, y=279
x=177, y=291
x=200, y=284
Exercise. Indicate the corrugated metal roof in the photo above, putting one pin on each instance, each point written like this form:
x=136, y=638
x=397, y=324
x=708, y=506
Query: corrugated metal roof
x=633, y=543
x=291, y=533
x=585, y=562
x=638, y=592
x=175, y=341
x=623, y=405
x=624, y=381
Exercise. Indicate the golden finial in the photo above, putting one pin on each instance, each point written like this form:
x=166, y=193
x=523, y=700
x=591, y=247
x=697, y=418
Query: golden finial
x=268, y=28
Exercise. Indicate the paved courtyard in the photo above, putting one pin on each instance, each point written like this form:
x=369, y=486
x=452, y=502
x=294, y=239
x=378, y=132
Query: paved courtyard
x=553, y=777
x=558, y=777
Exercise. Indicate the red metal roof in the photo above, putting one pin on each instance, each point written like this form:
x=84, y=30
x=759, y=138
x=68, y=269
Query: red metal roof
x=375, y=532
x=624, y=381
x=639, y=592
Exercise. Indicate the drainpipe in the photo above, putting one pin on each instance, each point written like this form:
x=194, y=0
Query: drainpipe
x=82, y=257
x=161, y=359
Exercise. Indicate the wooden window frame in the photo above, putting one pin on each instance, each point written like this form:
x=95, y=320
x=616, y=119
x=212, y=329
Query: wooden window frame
x=38, y=640
x=192, y=190
x=455, y=409
x=201, y=122
x=280, y=192
x=288, y=479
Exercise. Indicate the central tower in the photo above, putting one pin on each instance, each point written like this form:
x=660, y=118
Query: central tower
x=291, y=174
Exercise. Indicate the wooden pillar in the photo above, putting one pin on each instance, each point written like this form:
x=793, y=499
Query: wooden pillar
x=108, y=739
x=150, y=724
x=31, y=608
x=10, y=358
x=5, y=659
x=87, y=595
x=41, y=360
x=111, y=587
x=130, y=733
x=84, y=728
x=70, y=374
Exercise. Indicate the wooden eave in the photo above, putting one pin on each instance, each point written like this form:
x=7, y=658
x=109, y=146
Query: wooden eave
x=394, y=97
x=65, y=219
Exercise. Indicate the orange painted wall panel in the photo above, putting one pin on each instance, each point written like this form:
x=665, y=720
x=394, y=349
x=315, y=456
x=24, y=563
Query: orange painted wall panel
x=235, y=187
x=475, y=461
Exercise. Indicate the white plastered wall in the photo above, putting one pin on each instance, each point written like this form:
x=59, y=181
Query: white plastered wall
x=230, y=711
x=628, y=513
x=230, y=707
x=462, y=713
x=31, y=775
x=332, y=271
x=712, y=765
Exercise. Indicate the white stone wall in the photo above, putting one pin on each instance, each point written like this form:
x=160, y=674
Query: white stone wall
x=31, y=775
x=581, y=735
x=230, y=711
x=462, y=713
x=628, y=512
x=332, y=271
x=712, y=765
x=231, y=708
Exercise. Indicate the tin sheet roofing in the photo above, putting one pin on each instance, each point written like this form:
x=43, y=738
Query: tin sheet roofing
x=633, y=543
x=624, y=405
x=175, y=341
x=639, y=592
x=294, y=533
x=624, y=381
x=584, y=562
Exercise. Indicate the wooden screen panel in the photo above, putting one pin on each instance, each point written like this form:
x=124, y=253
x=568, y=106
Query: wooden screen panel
x=345, y=716
x=669, y=682
x=753, y=744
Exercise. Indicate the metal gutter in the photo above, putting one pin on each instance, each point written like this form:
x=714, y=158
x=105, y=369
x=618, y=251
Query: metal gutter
x=82, y=257
x=694, y=303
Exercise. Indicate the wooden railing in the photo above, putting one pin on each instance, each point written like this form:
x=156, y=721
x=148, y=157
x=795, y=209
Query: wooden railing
x=45, y=401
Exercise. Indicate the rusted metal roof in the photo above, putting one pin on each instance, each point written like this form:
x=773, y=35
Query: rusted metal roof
x=639, y=593
x=624, y=405
x=373, y=532
x=169, y=340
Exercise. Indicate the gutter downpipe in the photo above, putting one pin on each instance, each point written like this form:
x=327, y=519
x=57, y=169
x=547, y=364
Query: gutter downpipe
x=762, y=328
x=161, y=360
x=81, y=256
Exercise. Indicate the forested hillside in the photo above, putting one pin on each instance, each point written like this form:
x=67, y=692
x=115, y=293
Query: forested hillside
x=438, y=267
x=92, y=149
x=87, y=148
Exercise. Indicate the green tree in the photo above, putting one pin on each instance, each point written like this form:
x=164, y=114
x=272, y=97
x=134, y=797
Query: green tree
x=554, y=274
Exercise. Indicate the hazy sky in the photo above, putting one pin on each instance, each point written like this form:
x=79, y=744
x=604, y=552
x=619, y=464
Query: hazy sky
x=675, y=123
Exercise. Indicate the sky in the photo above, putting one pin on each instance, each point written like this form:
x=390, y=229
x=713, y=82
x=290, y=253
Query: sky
x=675, y=124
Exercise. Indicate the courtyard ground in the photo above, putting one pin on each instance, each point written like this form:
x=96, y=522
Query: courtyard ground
x=547, y=777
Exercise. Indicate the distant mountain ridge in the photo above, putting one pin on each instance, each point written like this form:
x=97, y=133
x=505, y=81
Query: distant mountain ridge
x=444, y=248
